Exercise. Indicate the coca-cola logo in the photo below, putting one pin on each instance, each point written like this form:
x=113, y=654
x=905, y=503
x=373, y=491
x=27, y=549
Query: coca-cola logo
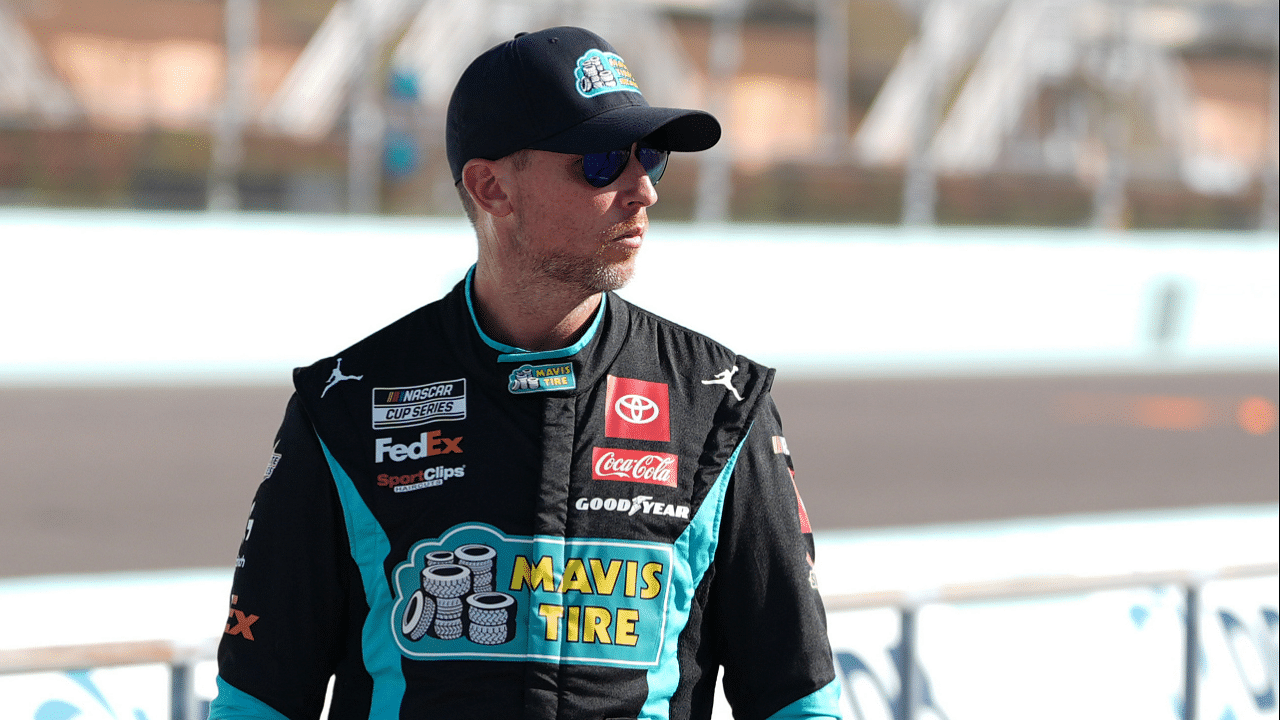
x=655, y=468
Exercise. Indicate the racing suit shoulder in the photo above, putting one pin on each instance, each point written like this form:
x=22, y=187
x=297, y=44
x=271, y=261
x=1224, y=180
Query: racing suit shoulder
x=692, y=353
x=698, y=343
x=335, y=391
x=382, y=348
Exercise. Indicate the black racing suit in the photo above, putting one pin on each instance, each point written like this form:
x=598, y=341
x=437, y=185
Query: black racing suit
x=455, y=528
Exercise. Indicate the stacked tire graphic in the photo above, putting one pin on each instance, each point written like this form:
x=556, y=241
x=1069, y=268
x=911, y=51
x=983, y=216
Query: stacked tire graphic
x=595, y=76
x=457, y=598
x=447, y=584
x=439, y=557
x=492, y=618
x=418, y=615
x=479, y=558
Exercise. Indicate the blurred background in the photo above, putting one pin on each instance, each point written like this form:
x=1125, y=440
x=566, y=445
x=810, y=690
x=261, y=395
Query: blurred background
x=1015, y=260
x=1122, y=114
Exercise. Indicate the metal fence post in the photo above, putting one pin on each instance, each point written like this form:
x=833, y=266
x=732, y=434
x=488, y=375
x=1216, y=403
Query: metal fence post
x=180, y=692
x=910, y=690
x=1191, y=666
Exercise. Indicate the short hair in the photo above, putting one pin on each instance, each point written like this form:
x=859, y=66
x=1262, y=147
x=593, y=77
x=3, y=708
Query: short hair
x=468, y=205
x=520, y=160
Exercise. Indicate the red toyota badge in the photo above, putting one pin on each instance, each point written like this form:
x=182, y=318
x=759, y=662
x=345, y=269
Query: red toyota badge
x=636, y=409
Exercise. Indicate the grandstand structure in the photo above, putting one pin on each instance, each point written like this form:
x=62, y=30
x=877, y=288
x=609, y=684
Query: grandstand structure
x=28, y=85
x=1095, y=91
x=1093, y=88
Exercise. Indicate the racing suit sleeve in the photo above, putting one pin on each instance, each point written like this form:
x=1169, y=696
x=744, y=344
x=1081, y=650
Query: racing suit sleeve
x=285, y=626
x=771, y=627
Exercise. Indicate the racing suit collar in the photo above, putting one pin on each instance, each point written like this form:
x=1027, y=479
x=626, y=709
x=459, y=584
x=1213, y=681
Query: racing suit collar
x=586, y=361
x=509, y=353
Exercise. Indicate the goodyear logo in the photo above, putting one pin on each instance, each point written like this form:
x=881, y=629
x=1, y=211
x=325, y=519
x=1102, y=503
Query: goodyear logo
x=398, y=407
x=542, y=378
x=601, y=72
x=477, y=593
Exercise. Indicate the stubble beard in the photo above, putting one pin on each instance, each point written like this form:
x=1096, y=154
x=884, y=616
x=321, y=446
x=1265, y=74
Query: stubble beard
x=591, y=274
x=586, y=275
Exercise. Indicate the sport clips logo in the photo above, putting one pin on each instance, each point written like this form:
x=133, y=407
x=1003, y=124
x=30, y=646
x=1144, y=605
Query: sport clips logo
x=429, y=444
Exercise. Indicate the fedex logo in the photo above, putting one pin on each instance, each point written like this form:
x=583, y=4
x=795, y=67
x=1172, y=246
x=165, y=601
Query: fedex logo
x=429, y=443
x=637, y=410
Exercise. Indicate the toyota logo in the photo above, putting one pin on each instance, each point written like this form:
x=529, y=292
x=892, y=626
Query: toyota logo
x=636, y=409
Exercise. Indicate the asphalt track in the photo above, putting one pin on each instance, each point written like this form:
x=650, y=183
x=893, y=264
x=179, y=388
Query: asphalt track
x=139, y=478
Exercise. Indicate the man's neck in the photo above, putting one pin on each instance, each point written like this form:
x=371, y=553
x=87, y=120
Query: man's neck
x=530, y=314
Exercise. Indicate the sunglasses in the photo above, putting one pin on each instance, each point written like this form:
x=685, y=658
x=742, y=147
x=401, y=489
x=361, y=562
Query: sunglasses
x=602, y=168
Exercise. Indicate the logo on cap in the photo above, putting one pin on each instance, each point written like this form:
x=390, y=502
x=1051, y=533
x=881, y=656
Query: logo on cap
x=603, y=72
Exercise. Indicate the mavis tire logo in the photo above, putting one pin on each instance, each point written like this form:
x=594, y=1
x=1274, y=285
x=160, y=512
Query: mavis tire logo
x=655, y=468
x=637, y=410
x=476, y=593
x=429, y=444
x=638, y=505
x=600, y=72
x=430, y=477
x=542, y=378
x=418, y=405
x=457, y=599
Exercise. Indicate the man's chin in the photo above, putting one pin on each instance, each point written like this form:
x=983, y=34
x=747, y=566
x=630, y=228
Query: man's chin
x=614, y=276
x=592, y=275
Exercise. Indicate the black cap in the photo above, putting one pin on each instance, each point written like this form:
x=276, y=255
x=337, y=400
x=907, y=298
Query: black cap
x=562, y=89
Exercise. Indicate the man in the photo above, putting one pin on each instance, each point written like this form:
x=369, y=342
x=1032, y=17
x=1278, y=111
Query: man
x=531, y=499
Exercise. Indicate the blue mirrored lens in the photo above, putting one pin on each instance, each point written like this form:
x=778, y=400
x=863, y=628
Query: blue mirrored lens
x=654, y=161
x=601, y=169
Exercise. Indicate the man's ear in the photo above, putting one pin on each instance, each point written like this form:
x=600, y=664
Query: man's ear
x=482, y=180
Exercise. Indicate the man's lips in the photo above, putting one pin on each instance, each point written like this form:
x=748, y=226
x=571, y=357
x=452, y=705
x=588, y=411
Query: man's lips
x=630, y=235
x=631, y=238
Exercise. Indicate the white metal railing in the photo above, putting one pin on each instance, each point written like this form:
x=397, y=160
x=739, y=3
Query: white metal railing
x=182, y=658
x=908, y=604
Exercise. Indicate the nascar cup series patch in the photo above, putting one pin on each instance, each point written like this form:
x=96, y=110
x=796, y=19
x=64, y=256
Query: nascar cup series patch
x=542, y=378
x=603, y=72
x=476, y=592
x=397, y=407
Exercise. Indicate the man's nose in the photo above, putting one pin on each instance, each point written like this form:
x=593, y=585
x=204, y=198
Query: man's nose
x=636, y=183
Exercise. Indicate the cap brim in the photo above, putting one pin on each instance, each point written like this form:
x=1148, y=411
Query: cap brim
x=664, y=128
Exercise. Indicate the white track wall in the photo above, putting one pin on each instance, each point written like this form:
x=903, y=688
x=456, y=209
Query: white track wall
x=138, y=298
